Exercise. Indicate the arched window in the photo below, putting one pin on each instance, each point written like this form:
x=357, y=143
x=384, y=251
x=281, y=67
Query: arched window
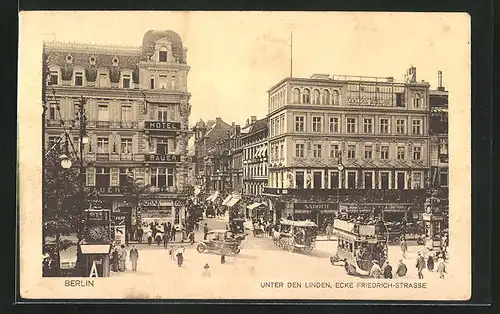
x=325, y=97
x=417, y=100
x=296, y=96
x=316, y=97
x=336, y=97
x=306, y=96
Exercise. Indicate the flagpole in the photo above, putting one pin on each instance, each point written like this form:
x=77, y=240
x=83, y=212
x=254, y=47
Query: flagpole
x=291, y=53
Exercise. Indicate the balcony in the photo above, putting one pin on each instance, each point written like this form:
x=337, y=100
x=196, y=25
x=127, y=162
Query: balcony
x=115, y=157
x=351, y=195
x=94, y=124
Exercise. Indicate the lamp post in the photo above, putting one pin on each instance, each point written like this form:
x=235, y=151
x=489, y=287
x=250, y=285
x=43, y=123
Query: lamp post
x=340, y=167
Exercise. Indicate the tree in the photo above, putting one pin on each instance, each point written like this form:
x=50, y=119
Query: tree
x=133, y=192
x=64, y=198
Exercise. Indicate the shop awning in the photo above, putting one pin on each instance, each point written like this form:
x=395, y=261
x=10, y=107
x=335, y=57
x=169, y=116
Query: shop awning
x=213, y=196
x=232, y=201
x=255, y=205
x=226, y=200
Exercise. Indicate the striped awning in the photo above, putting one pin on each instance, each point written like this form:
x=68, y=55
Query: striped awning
x=213, y=196
x=232, y=202
x=255, y=205
x=226, y=200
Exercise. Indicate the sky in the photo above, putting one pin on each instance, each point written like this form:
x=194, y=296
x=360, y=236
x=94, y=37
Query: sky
x=235, y=57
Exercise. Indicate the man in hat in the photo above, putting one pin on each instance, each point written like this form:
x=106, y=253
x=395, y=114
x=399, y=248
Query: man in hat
x=206, y=272
x=404, y=247
x=402, y=269
x=420, y=265
x=376, y=271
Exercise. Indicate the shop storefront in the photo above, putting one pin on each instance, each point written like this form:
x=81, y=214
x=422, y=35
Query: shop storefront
x=161, y=211
x=320, y=213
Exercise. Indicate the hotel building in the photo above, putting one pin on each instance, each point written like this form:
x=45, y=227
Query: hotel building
x=137, y=110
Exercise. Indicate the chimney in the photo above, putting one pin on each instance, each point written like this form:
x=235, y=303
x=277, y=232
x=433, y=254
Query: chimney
x=218, y=119
x=412, y=74
x=232, y=124
x=253, y=119
x=238, y=130
x=248, y=122
x=440, y=81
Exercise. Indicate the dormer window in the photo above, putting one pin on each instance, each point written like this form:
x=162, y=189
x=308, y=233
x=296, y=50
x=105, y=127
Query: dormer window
x=54, y=77
x=163, y=55
x=78, y=78
x=126, y=81
x=115, y=61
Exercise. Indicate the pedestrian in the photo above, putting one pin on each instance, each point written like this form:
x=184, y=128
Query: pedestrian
x=387, y=270
x=171, y=252
x=402, y=269
x=134, y=256
x=140, y=233
x=149, y=234
x=165, y=240
x=375, y=272
x=180, y=255
x=328, y=231
x=123, y=258
x=158, y=239
x=205, y=231
x=420, y=265
x=115, y=260
x=206, y=272
x=197, y=225
x=191, y=237
x=441, y=266
x=430, y=262
x=173, y=233
x=404, y=247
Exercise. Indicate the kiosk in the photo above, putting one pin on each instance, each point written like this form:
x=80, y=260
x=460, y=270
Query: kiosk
x=432, y=225
x=97, y=247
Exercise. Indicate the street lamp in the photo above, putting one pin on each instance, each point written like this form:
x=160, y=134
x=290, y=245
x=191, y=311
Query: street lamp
x=340, y=167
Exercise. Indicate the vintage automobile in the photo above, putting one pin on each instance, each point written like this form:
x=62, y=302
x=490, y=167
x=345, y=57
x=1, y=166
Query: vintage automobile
x=358, y=246
x=296, y=235
x=221, y=240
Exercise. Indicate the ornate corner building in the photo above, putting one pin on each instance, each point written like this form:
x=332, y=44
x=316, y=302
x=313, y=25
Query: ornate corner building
x=336, y=141
x=137, y=116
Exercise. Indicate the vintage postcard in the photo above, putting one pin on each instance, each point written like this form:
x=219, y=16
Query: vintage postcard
x=244, y=155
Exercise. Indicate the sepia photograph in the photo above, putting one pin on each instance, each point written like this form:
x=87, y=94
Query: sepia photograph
x=202, y=155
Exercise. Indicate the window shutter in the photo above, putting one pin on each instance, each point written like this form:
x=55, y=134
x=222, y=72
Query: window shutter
x=114, y=176
x=90, y=176
x=135, y=145
x=111, y=141
x=147, y=178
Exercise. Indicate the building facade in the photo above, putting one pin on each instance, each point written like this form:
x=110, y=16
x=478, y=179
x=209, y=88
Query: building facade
x=137, y=116
x=334, y=140
x=255, y=157
x=212, y=154
x=438, y=131
x=236, y=157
